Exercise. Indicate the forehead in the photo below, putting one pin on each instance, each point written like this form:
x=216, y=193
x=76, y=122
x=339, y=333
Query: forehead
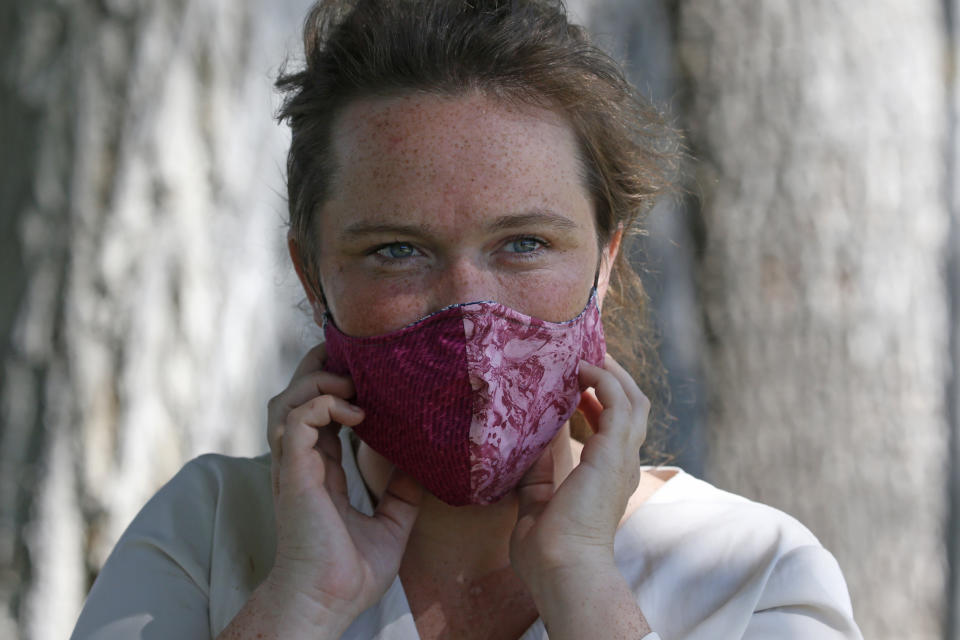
x=415, y=122
x=469, y=153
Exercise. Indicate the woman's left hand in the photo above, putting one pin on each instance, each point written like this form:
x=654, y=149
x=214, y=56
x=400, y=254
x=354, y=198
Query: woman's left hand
x=571, y=528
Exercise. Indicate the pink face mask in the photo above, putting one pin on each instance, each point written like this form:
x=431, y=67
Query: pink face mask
x=466, y=399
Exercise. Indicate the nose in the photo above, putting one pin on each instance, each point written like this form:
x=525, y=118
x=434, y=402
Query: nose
x=464, y=280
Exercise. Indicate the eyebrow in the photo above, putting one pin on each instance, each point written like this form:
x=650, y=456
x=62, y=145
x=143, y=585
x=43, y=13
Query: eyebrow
x=359, y=229
x=537, y=217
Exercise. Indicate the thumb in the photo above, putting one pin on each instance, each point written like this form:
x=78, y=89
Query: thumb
x=535, y=489
x=400, y=504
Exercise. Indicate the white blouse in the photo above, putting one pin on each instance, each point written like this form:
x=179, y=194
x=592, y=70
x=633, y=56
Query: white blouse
x=704, y=564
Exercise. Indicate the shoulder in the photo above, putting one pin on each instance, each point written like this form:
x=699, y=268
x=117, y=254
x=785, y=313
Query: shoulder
x=224, y=497
x=208, y=484
x=216, y=476
x=204, y=499
x=693, y=503
x=716, y=560
x=197, y=546
x=218, y=468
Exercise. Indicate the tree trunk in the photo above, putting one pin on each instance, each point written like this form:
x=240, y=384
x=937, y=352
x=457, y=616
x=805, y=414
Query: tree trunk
x=642, y=35
x=144, y=233
x=952, y=270
x=819, y=127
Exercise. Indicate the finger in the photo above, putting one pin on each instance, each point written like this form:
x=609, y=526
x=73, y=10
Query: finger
x=535, y=490
x=622, y=425
x=638, y=398
x=639, y=403
x=306, y=428
x=591, y=408
x=305, y=470
x=609, y=392
x=400, y=504
x=328, y=442
x=315, y=413
x=296, y=465
x=335, y=478
x=309, y=430
x=312, y=361
x=315, y=384
x=300, y=392
x=322, y=410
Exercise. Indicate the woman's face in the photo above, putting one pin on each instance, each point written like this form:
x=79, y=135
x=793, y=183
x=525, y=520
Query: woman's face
x=442, y=200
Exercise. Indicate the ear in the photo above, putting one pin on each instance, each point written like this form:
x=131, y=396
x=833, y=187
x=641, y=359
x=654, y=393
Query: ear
x=607, y=259
x=316, y=302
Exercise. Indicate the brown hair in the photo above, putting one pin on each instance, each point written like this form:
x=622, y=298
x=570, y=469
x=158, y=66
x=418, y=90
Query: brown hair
x=522, y=51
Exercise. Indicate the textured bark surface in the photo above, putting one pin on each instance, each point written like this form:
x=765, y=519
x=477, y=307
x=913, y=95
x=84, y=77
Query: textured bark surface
x=820, y=129
x=953, y=283
x=143, y=230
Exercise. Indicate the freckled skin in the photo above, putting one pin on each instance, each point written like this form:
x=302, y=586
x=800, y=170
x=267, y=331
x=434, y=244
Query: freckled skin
x=449, y=167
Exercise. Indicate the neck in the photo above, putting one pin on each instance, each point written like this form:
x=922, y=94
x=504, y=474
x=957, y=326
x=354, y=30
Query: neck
x=463, y=543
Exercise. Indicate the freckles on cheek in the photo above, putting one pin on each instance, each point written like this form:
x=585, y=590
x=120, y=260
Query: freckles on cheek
x=550, y=297
x=561, y=304
x=374, y=309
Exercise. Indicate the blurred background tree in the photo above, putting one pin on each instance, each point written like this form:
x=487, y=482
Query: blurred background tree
x=147, y=310
x=806, y=288
x=820, y=130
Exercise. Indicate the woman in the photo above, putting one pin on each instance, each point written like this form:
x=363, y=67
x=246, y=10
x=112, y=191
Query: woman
x=461, y=177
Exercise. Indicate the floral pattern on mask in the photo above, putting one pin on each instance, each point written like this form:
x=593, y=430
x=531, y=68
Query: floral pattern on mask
x=524, y=373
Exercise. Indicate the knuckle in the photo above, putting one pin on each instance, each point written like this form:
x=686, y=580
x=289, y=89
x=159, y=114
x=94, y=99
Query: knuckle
x=293, y=417
x=643, y=402
x=275, y=430
x=273, y=402
x=623, y=414
x=322, y=403
x=639, y=438
x=325, y=382
x=641, y=408
x=314, y=410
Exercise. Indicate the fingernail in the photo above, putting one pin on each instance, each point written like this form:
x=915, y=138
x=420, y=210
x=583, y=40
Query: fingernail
x=354, y=408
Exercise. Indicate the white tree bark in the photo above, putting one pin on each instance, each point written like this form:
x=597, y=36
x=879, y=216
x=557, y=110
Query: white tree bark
x=952, y=270
x=157, y=314
x=821, y=127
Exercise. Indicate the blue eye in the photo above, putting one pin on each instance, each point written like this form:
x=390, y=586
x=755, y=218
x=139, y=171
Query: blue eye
x=397, y=251
x=524, y=245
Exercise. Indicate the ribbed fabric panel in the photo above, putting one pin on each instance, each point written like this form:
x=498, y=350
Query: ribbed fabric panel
x=414, y=390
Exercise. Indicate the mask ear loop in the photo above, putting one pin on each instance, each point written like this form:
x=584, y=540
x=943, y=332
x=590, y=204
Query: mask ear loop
x=327, y=316
x=596, y=274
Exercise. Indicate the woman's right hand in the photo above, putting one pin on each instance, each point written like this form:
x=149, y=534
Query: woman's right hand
x=331, y=560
